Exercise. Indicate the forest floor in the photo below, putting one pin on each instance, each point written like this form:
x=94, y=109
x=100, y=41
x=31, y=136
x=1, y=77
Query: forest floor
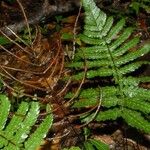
x=57, y=32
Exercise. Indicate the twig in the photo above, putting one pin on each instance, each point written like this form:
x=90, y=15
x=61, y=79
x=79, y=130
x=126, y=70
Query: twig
x=74, y=31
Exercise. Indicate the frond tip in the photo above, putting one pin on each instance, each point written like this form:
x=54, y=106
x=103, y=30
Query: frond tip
x=15, y=135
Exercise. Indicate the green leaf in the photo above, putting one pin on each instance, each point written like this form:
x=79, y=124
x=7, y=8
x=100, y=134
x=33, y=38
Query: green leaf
x=142, y=93
x=18, y=117
x=90, y=102
x=85, y=103
x=16, y=133
x=115, y=30
x=88, y=146
x=125, y=47
x=99, y=145
x=107, y=26
x=125, y=35
x=135, y=6
x=135, y=119
x=4, y=41
x=111, y=114
x=133, y=55
x=67, y=36
x=27, y=123
x=91, y=40
x=4, y=107
x=72, y=148
x=131, y=67
x=94, y=16
x=94, y=92
x=36, y=138
x=137, y=104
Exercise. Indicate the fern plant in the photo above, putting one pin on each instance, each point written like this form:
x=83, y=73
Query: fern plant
x=136, y=5
x=91, y=144
x=15, y=133
x=107, y=54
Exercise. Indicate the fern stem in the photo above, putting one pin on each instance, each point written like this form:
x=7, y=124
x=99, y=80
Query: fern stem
x=117, y=75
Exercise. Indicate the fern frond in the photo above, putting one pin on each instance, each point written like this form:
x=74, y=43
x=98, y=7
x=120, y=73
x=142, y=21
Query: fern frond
x=107, y=26
x=18, y=117
x=89, y=102
x=132, y=67
x=123, y=37
x=15, y=135
x=35, y=138
x=92, y=41
x=88, y=146
x=94, y=73
x=4, y=107
x=93, y=144
x=72, y=148
x=99, y=51
x=144, y=79
x=110, y=101
x=99, y=145
x=137, y=104
x=111, y=52
x=125, y=47
x=133, y=55
x=94, y=92
x=92, y=52
x=114, y=31
x=27, y=123
x=95, y=18
x=142, y=93
x=111, y=114
x=107, y=49
x=135, y=119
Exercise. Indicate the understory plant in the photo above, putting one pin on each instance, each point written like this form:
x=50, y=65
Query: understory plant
x=16, y=130
x=111, y=55
x=137, y=4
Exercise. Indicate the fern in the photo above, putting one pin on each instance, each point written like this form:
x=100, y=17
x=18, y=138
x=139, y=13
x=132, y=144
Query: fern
x=4, y=41
x=15, y=134
x=98, y=145
x=91, y=144
x=72, y=148
x=107, y=54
